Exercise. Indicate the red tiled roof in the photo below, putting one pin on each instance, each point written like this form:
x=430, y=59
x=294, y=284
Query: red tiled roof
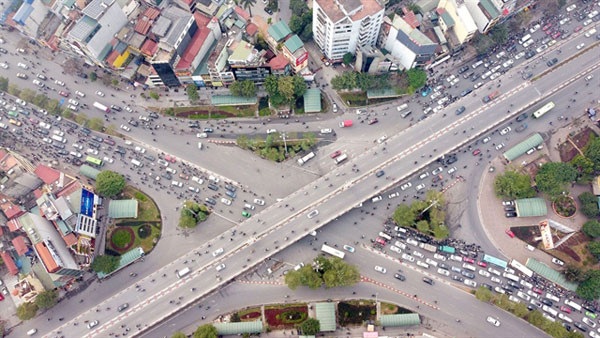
x=10, y=264
x=278, y=62
x=2, y=154
x=13, y=225
x=251, y=29
x=149, y=47
x=19, y=244
x=242, y=13
x=410, y=17
x=143, y=24
x=11, y=210
x=197, y=41
x=44, y=253
x=69, y=189
x=188, y=2
x=151, y=13
x=70, y=239
x=112, y=57
x=47, y=174
x=37, y=193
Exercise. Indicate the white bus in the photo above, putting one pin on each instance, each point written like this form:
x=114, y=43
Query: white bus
x=522, y=268
x=511, y=277
x=524, y=39
x=332, y=251
x=102, y=107
x=183, y=272
x=572, y=304
x=341, y=158
x=305, y=159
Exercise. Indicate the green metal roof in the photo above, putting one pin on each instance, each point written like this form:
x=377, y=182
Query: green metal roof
x=88, y=171
x=521, y=148
x=232, y=100
x=400, y=320
x=240, y=24
x=325, y=313
x=550, y=274
x=530, y=207
x=381, y=93
x=293, y=43
x=312, y=100
x=123, y=209
x=490, y=8
x=239, y=327
x=126, y=259
x=68, y=3
x=279, y=31
x=447, y=19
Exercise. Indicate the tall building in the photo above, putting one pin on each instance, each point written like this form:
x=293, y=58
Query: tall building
x=341, y=26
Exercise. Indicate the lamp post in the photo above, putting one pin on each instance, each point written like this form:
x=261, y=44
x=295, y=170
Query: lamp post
x=284, y=142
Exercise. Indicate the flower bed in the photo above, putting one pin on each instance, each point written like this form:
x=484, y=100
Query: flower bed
x=564, y=206
x=287, y=317
x=355, y=313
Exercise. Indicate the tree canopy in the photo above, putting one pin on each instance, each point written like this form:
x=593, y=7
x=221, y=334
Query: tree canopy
x=348, y=58
x=591, y=228
x=109, y=183
x=416, y=78
x=589, y=288
x=105, y=263
x=46, y=299
x=513, y=185
x=552, y=177
x=26, y=311
x=244, y=88
x=192, y=92
x=206, y=331
x=589, y=204
x=332, y=271
x=427, y=216
x=592, y=152
x=310, y=327
x=284, y=89
x=301, y=20
x=192, y=213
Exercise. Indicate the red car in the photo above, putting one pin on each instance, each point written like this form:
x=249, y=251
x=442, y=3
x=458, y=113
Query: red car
x=169, y=159
x=578, y=29
x=380, y=240
x=476, y=152
x=565, y=309
x=373, y=121
x=336, y=154
x=547, y=27
x=509, y=233
x=548, y=32
x=468, y=260
x=482, y=264
x=556, y=35
x=63, y=93
x=538, y=291
x=1, y=297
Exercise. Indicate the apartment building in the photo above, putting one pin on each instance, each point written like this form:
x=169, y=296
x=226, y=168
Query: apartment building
x=342, y=26
x=456, y=21
x=408, y=45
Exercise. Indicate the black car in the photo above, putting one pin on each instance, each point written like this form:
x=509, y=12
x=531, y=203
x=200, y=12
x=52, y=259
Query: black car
x=444, y=266
x=115, y=107
x=149, y=158
x=94, y=145
x=73, y=125
x=63, y=152
x=466, y=92
x=513, y=284
x=59, y=145
x=580, y=326
x=527, y=76
x=457, y=278
x=166, y=176
x=98, y=139
x=509, y=209
x=193, y=125
x=487, y=286
x=3, y=51
x=399, y=277
x=529, y=55
x=380, y=173
x=133, y=123
x=468, y=274
x=212, y=187
x=546, y=301
x=521, y=117
x=153, y=115
x=86, y=131
x=463, y=69
x=82, y=75
x=552, y=62
x=268, y=10
x=428, y=280
x=511, y=214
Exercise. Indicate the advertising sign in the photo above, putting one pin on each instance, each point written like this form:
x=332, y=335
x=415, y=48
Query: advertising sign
x=546, y=235
x=301, y=58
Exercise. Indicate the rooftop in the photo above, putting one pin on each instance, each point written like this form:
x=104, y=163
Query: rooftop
x=251, y=29
x=337, y=10
x=293, y=43
x=149, y=47
x=241, y=13
x=279, y=31
x=197, y=41
x=20, y=246
x=312, y=100
x=96, y=8
x=278, y=62
x=123, y=209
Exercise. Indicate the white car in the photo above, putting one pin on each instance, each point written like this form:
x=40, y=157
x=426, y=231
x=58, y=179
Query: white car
x=22, y=65
x=395, y=249
x=418, y=254
x=326, y=131
x=92, y=324
x=452, y=170
x=437, y=171
x=218, y=252
x=99, y=93
x=508, y=63
x=564, y=21
x=382, y=139
x=311, y=214
x=73, y=102
x=500, y=146
x=519, y=55
x=220, y=267
x=496, y=280
x=443, y=272
x=455, y=81
x=92, y=151
x=376, y=199
x=126, y=128
x=128, y=108
x=486, y=140
x=80, y=94
x=4, y=65
x=76, y=146
x=470, y=283
x=405, y=186
x=534, y=28
x=437, y=109
x=349, y=248
x=589, y=322
x=225, y=201
x=450, y=78
x=571, y=8
x=109, y=159
x=424, y=175
x=484, y=273
x=505, y=131
x=580, y=46
x=500, y=55
x=201, y=135
x=420, y=187
x=493, y=321
x=259, y=201
x=587, y=22
x=271, y=131
x=38, y=83
x=393, y=195
x=72, y=107
x=408, y=257
x=59, y=82
x=558, y=262
x=541, y=48
x=478, y=84
x=380, y=269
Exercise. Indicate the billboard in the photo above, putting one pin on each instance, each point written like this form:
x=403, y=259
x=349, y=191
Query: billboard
x=301, y=58
x=546, y=235
x=87, y=203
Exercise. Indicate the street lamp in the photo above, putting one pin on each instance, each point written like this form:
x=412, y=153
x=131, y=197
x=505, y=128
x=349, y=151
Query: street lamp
x=284, y=142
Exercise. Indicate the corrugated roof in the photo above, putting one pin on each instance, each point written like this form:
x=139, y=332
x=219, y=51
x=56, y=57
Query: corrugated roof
x=96, y=8
x=19, y=244
x=325, y=314
x=126, y=259
x=312, y=100
x=251, y=29
x=10, y=264
x=413, y=38
x=293, y=43
x=47, y=174
x=11, y=210
x=226, y=329
x=279, y=31
x=521, y=148
x=232, y=100
x=111, y=23
x=447, y=19
x=13, y=225
x=143, y=24
x=149, y=47
x=70, y=239
x=550, y=274
x=400, y=319
x=123, y=208
x=531, y=207
x=83, y=28
x=23, y=13
x=490, y=8
x=278, y=62
x=241, y=13
x=46, y=257
x=88, y=171
x=151, y=13
x=197, y=42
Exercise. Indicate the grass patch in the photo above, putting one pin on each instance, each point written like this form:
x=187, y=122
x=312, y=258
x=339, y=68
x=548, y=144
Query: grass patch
x=121, y=238
x=283, y=306
x=147, y=243
x=209, y=112
x=249, y=314
x=147, y=210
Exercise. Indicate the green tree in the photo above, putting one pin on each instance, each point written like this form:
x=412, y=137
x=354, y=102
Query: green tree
x=583, y=164
x=592, y=152
x=206, y=331
x=296, y=24
x=482, y=43
x=520, y=310
x=293, y=279
x=27, y=95
x=260, y=41
x=285, y=87
x=26, y=311
x=13, y=89
x=574, y=273
x=154, y=95
x=483, y=294
x=95, y=123
x=589, y=288
x=348, y=59
x=40, y=100
x=552, y=177
x=299, y=86
x=298, y=7
x=340, y=274
x=242, y=142
x=591, y=228
x=81, y=119
x=46, y=299
x=192, y=92
x=179, y=334
x=109, y=183
x=187, y=221
x=416, y=78
x=114, y=82
x=594, y=248
x=105, y=263
x=365, y=81
x=310, y=327
x=589, y=207
x=423, y=226
x=245, y=88
x=93, y=77
x=499, y=34
x=248, y=4
x=536, y=318
x=3, y=84
x=271, y=85
x=310, y=278
x=513, y=185
x=52, y=106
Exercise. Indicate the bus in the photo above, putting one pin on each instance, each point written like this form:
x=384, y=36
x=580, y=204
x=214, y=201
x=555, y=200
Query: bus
x=522, y=268
x=94, y=161
x=102, y=107
x=447, y=249
x=305, y=159
x=13, y=114
x=546, y=108
x=334, y=252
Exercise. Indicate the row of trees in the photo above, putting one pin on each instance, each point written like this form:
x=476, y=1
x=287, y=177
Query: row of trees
x=332, y=272
x=427, y=216
x=301, y=20
x=44, y=300
x=284, y=89
x=273, y=147
x=245, y=88
x=191, y=214
x=551, y=179
x=403, y=82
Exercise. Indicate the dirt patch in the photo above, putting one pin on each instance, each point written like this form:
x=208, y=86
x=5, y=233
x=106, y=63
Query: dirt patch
x=532, y=167
x=581, y=139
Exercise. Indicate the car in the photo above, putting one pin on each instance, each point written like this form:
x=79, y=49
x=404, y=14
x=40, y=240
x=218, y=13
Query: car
x=313, y=213
x=109, y=159
x=349, y=248
x=373, y=121
x=500, y=146
x=326, y=131
x=493, y=321
x=394, y=195
x=509, y=233
x=99, y=93
x=452, y=170
x=443, y=272
x=565, y=308
x=420, y=187
x=335, y=154
x=268, y=11
x=460, y=110
x=428, y=280
x=92, y=324
x=591, y=314
x=220, y=267
x=468, y=260
x=271, y=131
x=63, y=93
x=382, y=139
x=376, y=199
x=246, y=214
x=424, y=175
x=122, y=307
x=486, y=140
x=558, y=261
x=580, y=326
x=482, y=264
x=476, y=152
x=545, y=301
x=405, y=186
x=380, y=173
x=59, y=82
x=577, y=29
x=552, y=62
x=126, y=128
x=510, y=214
x=380, y=269
x=399, y=277
x=588, y=322
x=571, y=8
x=522, y=117
x=505, y=131
x=587, y=22
x=580, y=46
x=335, y=108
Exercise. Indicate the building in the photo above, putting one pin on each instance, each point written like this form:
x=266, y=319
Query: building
x=293, y=49
x=371, y=60
x=247, y=63
x=277, y=34
x=341, y=26
x=485, y=14
x=279, y=65
x=408, y=45
x=456, y=21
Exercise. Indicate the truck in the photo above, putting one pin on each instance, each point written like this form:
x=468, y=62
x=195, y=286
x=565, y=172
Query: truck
x=101, y=107
x=59, y=139
x=428, y=247
x=345, y=124
x=306, y=158
x=491, y=96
